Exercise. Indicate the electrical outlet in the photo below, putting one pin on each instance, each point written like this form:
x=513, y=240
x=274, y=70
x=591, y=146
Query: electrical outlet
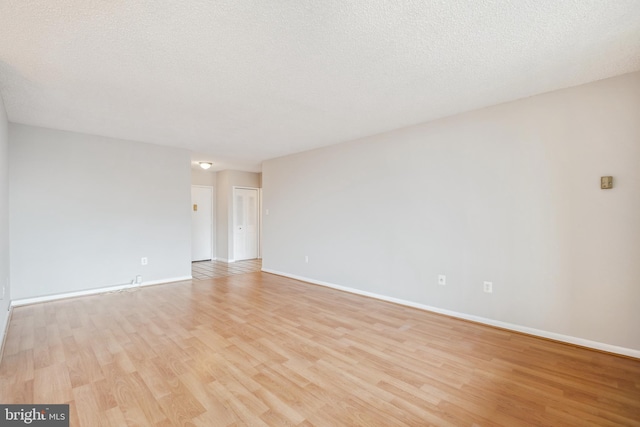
x=138, y=279
x=488, y=287
x=144, y=261
x=442, y=279
x=306, y=258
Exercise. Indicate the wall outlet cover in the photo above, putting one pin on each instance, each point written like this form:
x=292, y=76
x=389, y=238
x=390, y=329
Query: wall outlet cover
x=488, y=287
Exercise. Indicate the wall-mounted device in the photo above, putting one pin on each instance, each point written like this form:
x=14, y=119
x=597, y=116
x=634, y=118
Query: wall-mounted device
x=606, y=182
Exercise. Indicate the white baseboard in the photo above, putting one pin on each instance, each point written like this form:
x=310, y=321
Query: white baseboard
x=170, y=280
x=225, y=260
x=46, y=298
x=5, y=329
x=499, y=324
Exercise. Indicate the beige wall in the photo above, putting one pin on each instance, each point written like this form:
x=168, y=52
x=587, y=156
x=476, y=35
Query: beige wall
x=203, y=177
x=4, y=220
x=226, y=181
x=508, y=194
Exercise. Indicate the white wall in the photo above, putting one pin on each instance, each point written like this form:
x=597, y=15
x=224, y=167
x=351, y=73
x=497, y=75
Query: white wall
x=85, y=209
x=4, y=220
x=209, y=179
x=226, y=181
x=223, y=203
x=508, y=194
x=203, y=177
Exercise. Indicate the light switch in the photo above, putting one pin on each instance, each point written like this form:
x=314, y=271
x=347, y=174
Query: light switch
x=195, y=208
x=606, y=182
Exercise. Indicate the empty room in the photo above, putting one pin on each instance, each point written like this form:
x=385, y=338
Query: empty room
x=308, y=213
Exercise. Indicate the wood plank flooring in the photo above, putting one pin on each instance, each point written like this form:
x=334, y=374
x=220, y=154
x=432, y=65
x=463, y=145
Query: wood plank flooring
x=258, y=349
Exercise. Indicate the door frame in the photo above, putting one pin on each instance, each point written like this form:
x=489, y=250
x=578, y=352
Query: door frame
x=210, y=188
x=233, y=220
x=260, y=223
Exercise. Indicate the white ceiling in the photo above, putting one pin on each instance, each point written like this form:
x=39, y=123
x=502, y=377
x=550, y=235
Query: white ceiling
x=239, y=81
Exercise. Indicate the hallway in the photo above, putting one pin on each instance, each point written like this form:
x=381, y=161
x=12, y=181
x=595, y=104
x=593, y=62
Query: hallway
x=201, y=270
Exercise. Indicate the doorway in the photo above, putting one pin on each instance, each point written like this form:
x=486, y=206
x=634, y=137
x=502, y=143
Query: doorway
x=201, y=222
x=245, y=223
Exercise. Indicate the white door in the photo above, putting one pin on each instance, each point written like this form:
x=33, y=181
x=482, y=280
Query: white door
x=201, y=222
x=245, y=223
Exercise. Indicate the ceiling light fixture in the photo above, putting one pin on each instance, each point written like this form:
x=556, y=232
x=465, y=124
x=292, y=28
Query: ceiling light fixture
x=205, y=165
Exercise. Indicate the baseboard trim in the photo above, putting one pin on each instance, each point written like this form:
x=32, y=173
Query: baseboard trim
x=94, y=291
x=7, y=320
x=581, y=342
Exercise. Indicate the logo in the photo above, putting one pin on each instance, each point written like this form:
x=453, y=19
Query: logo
x=34, y=415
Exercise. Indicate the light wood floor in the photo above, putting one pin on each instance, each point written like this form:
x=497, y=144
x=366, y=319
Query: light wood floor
x=259, y=349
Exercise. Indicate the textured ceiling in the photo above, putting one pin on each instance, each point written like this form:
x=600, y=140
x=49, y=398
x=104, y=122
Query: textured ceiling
x=239, y=81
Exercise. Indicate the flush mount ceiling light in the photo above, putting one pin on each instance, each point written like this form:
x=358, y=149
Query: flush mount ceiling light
x=205, y=165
